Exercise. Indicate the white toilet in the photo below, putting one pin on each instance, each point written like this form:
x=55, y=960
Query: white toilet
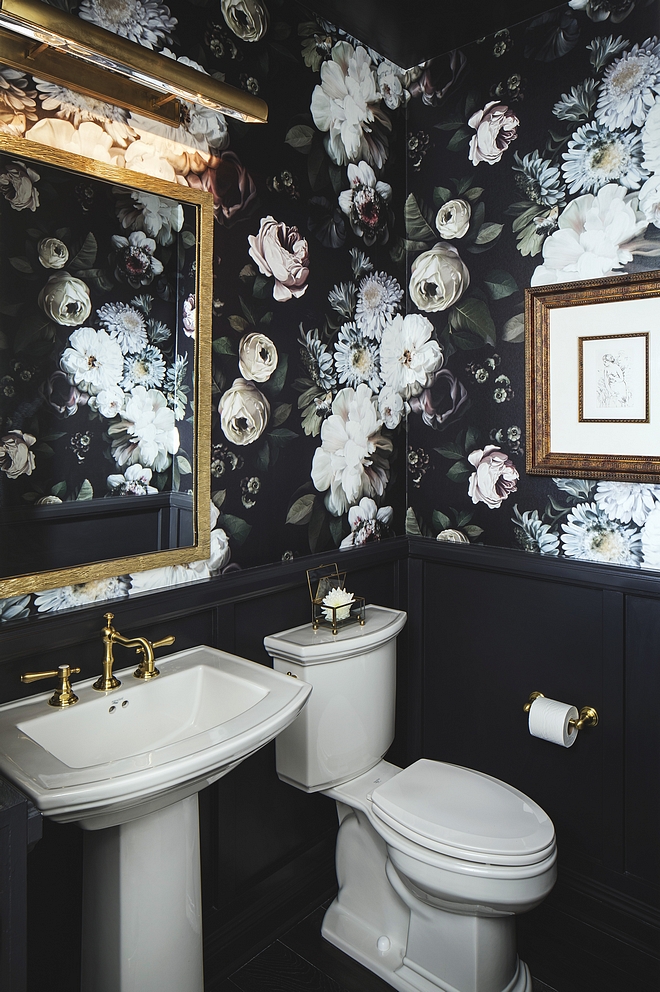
x=434, y=860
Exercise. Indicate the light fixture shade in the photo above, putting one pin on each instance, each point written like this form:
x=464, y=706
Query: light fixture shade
x=62, y=48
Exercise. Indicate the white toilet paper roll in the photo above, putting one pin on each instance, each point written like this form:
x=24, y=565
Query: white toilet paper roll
x=548, y=719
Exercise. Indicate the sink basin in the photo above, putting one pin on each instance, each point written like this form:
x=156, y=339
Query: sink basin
x=126, y=765
x=120, y=754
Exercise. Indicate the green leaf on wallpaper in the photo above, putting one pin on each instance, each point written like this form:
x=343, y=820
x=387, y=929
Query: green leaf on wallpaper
x=300, y=512
x=262, y=287
x=452, y=451
x=237, y=324
x=21, y=264
x=237, y=528
x=280, y=414
x=86, y=256
x=86, y=491
x=184, y=466
x=316, y=522
x=263, y=457
x=336, y=177
x=471, y=104
x=414, y=245
x=477, y=219
x=440, y=521
x=224, y=346
x=440, y=195
x=459, y=139
x=99, y=279
x=514, y=329
x=417, y=228
x=267, y=317
x=473, y=531
x=462, y=518
x=59, y=490
x=449, y=125
x=281, y=436
x=337, y=529
x=473, y=194
x=274, y=386
x=250, y=314
x=412, y=527
x=218, y=498
x=500, y=284
x=473, y=315
x=460, y=472
x=462, y=185
x=488, y=233
x=471, y=439
x=189, y=239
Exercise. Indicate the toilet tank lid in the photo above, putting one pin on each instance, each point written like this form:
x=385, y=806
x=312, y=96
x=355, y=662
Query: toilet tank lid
x=306, y=646
x=463, y=812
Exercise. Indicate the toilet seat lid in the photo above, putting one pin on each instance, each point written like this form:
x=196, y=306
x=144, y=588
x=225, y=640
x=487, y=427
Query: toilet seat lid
x=464, y=814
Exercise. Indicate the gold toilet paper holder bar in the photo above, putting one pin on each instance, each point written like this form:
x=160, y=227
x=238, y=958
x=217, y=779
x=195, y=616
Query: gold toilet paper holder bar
x=588, y=715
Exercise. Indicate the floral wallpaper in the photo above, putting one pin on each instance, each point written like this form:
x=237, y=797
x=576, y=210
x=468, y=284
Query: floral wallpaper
x=541, y=166
x=372, y=245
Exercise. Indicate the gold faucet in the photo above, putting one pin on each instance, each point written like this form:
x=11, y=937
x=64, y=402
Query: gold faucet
x=64, y=696
x=145, y=670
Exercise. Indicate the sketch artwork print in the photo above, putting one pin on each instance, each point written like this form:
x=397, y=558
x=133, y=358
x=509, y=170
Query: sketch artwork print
x=613, y=378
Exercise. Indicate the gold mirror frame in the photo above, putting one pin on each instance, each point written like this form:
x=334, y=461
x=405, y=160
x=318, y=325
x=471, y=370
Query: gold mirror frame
x=33, y=151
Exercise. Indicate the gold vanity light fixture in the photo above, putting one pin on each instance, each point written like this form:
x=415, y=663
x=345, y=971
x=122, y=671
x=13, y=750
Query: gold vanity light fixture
x=61, y=48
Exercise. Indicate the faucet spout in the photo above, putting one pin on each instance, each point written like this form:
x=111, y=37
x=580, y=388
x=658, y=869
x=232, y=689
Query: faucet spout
x=145, y=670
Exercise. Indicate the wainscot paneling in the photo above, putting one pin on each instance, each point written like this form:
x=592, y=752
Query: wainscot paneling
x=267, y=849
x=491, y=626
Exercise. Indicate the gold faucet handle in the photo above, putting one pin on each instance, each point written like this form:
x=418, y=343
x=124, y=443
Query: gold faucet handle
x=64, y=696
x=147, y=669
x=164, y=642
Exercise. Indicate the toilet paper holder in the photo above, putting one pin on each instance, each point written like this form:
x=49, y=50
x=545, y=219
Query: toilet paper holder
x=588, y=715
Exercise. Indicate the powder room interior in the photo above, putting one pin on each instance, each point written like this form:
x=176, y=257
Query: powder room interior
x=368, y=406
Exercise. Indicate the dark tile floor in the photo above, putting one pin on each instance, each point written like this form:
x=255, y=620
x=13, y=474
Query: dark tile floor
x=302, y=961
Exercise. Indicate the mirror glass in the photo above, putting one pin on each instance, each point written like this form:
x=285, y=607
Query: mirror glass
x=105, y=303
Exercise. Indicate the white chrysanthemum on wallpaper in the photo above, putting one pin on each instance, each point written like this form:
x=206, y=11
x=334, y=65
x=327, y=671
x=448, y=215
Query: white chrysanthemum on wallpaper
x=125, y=324
x=76, y=108
x=592, y=237
x=540, y=181
x=378, y=300
x=66, y=597
x=590, y=535
x=146, y=22
x=627, y=501
x=146, y=369
x=630, y=86
x=356, y=358
x=534, y=535
x=345, y=106
x=597, y=156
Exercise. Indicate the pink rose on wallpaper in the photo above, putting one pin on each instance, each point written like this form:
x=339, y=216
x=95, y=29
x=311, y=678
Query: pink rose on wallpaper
x=495, y=476
x=230, y=184
x=496, y=128
x=279, y=251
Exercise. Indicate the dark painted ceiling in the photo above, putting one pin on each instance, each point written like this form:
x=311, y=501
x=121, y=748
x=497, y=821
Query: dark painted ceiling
x=408, y=32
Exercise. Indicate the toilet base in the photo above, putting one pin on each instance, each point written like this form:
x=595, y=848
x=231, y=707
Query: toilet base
x=377, y=921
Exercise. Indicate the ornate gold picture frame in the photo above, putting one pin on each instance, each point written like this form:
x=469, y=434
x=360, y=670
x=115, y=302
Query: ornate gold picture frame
x=592, y=364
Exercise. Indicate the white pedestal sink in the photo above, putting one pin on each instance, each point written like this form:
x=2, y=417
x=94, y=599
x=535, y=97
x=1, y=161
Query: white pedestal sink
x=127, y=765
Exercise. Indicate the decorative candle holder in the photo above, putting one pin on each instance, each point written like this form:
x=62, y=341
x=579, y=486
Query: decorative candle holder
x=332, y=605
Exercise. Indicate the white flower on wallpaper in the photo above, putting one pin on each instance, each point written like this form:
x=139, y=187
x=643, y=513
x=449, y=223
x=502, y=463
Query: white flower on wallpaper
x=88, y=139
x=651, y=539
x=352, y=461
x=144, y=369
x=378, y=299
x=76, y=108
x=627, y=501
x=651, y=139
x=345, y=106
x=67, y=597
x=649, y=200
x=592, y=237
x=146, y=432
x=533, y=534
x=590, y=535
x=159, y=217
x=357, y=358
x=597, y=156
x=409, y=355
x=367, y=523
x=93, y=360
x=17, y=103
x=145, y=22
x=630, y=86
x=125, y=324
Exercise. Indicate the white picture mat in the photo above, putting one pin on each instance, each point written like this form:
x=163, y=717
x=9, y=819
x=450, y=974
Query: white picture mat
x=614, y=385
x=566, y=325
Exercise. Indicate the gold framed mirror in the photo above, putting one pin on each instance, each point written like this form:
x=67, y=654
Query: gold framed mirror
x=106, y=288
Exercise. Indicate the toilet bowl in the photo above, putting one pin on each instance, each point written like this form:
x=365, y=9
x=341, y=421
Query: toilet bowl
x=434, y=860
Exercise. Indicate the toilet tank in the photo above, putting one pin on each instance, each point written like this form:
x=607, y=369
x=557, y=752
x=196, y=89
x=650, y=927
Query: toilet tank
x=348, y=722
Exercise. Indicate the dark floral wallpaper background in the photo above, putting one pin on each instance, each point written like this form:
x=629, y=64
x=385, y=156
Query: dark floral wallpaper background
x=372, y=245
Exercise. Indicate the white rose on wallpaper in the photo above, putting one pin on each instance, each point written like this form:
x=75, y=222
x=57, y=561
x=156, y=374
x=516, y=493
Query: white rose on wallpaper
x=87, y=139
x=15, y=456
x=244, y=412
x=17, y=185
x=146, y=22
x=592, y=237
x=53, y=253
x=93, y=360
x=109, y=402
x=438, y=278
x=391, y=407
x=452, y=536
x=189, y=318
x=453, y=219
x=282, y=253
x=248, y=19
x=392, y=85
x=494, y=478
x=146, y=433
x=345, y=106
x=352, y=461
x=496, y=128
x=65, y=299
x=257, y=357
x=408, y=354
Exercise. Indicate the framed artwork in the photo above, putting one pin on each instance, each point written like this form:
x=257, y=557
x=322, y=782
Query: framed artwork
x=592, y=355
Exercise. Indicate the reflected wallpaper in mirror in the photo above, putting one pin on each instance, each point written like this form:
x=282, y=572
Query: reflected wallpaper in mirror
x=101, y=327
